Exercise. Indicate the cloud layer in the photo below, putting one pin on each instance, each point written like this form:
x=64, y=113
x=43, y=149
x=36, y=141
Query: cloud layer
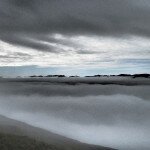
x=75, y=16
x=113, y=116
x=81, y=33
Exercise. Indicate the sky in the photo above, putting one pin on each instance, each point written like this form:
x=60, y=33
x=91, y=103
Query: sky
x=74, y=37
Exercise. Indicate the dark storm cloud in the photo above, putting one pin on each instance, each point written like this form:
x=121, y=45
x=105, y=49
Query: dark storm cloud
x=72, y=17
x=28, y=41
x=17, y=40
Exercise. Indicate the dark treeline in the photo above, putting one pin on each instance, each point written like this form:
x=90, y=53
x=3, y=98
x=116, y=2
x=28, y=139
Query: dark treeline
x=47, y=76
x=144, y=75
x=120, y=75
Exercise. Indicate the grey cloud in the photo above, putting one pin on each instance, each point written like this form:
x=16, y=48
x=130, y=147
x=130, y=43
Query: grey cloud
x=94, y=109
x=15, y=55
x=41, y=88
x=113, y=115
x=26, y=41
x=135, y=61
x=82, y=51
x=72, y=17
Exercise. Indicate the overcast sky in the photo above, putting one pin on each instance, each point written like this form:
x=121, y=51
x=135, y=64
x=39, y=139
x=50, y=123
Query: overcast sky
x=74, y=36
